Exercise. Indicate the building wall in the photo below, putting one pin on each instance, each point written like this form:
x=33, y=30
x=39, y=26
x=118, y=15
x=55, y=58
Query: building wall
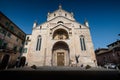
x=11, y=35
x=26, y=45
x=110, y=55
x=46, y=30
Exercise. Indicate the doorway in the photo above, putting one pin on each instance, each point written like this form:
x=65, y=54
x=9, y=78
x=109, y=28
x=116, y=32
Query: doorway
x=60, y=59
x=60, y=54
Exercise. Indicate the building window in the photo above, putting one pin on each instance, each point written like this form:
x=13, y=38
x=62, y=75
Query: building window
x=0, y=18
x=80, y=26
x=11, y=28
x=22, y=42
x=15, y=48
x=26, y=43
x=105, y=59
x=3, y=31
x=54, y=14
x=0, y=29
x=82, y=43
x=40, y=27
x=25, y=50
x=17, y=39
x=118, y=54
x=27, y=38
x=20, y=49
x=9, y=35
x=19, y=34
x=7, y=24
x=38, y=46
x=1, y=41
x=5, y=45
x=65, y=14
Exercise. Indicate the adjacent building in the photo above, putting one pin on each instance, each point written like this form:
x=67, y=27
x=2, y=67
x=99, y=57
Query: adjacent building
x=109, y=55
x=11, y=41
x=60, y=41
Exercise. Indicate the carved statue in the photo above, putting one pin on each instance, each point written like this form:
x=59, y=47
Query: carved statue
x=76, y=57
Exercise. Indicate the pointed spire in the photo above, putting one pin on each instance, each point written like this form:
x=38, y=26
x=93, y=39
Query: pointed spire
x=60, y=7
x=72, y=13
x=48, y=13
x=86, y=23
x=35, y=23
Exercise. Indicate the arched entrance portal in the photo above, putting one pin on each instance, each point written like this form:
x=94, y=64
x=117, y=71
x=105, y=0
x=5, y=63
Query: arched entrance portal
x=22, y=61
x=5, y=61
x=60, y=54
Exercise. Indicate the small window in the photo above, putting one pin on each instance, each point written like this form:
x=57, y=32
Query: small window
x=11, y=28
x=9, y=35
x=118, y=54
x=80, y=26
x=17, y=39
x=54, y=14
x=15, y=48
x=27, y=38
x=5, y=45
x=25, y=50
x=3, y=31
x=0, y=29
x=65, y=14
x=20, y=49
x=19, y=34
x=22, y=42
x=0, y=18
x=7, y=24
x=26, y=43
x=40, y=27
x=1, y=41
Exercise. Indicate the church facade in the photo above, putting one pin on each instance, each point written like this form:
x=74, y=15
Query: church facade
x=60, y=41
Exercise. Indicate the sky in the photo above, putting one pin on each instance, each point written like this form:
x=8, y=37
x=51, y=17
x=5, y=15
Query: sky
x=103, y=15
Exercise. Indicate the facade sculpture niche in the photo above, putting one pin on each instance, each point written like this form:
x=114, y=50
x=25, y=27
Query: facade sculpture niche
x=60, y=34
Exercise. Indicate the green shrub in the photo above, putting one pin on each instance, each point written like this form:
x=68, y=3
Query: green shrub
x=87, y=67
x=34, y=66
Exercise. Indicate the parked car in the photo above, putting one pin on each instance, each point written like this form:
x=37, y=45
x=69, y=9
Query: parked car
x=110, y=66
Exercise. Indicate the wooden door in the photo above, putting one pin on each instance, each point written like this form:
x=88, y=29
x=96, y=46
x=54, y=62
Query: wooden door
x=60, y=59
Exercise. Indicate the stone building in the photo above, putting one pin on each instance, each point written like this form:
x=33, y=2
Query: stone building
x=108, y=55
x=60, y=41
x=11, y=41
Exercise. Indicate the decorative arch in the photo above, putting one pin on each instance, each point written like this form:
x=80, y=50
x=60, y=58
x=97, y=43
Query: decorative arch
x=5, y=61
x=60, y=54
x=60, y=34
x=60, y=45
x=22, y=61
x=60, y=22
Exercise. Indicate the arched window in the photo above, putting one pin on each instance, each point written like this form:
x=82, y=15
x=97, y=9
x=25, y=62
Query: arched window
x=54, y=14
x=82, y=43
x=65, y=14
x=38, y=46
